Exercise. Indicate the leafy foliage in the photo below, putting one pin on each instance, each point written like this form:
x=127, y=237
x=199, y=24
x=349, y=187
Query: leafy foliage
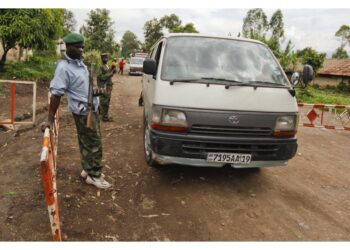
x=340, y=53
x=312, y=57
x=29, y=28
x=98, y=32
x=344, y=86
x=188, y=28
x=69, y=22
x=276, y=25
x=39, y=68
x=129, y=43
x=170, y=22
x=94, y=57
x=256, y=26
x=326, y=96
x=153, y=29
x=344, y=34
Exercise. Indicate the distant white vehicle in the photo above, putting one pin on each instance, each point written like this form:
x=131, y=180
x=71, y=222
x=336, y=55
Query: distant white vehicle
x=136, y=65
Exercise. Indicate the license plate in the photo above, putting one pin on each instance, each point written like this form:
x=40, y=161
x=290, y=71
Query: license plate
x=229, y=158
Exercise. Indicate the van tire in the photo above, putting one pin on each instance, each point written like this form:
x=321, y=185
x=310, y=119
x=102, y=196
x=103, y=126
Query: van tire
x=146, y=147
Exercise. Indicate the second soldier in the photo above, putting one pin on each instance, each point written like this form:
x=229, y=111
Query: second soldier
x=104, y=80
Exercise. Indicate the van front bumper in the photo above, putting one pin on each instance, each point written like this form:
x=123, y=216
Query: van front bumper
x=192, y=150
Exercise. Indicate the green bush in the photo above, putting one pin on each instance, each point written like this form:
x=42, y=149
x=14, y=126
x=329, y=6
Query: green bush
x=39, y=68
x=93, y=56
x=343, y=86
x=322, y=96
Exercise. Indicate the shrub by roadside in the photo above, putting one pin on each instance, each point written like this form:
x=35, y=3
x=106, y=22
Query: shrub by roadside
x=39, y=68
x=314, y=95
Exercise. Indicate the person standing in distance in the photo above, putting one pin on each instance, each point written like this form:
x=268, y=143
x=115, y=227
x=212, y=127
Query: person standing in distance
x=121, y=66
x=72, y=78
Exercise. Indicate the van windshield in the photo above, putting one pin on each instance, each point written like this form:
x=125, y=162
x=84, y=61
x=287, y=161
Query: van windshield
x=215, y=58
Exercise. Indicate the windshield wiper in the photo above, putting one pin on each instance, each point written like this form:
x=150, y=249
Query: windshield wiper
x=270, y=84
x=184, y=80
x=206, y=80
x=229, y=82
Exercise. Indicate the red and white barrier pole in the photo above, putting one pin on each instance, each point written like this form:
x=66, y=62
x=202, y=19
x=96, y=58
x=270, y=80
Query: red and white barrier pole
x=343, y=119
x=13, y=96
x=48, y=174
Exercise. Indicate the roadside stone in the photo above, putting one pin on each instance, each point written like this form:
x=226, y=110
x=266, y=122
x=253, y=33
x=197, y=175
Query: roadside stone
x=302, y=225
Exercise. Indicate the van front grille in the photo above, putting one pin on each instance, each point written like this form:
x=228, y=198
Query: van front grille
x=229, y=131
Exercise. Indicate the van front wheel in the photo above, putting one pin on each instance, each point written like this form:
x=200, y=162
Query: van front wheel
x=147, y=146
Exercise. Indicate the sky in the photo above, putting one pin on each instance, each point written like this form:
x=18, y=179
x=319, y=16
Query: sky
x=306, y=27
x=307, y=23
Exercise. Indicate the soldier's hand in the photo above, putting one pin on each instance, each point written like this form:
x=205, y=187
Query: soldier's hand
x=45, y=125
x=99, y=91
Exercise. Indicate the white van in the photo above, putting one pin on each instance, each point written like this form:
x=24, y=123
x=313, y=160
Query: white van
x=212, y=101
x=136, y=64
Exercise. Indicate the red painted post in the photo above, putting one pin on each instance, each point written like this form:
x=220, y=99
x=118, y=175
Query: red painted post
x=13, y=95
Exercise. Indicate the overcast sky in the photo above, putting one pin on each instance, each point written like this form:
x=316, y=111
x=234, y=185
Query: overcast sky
x=305, y=27
x=310, y=23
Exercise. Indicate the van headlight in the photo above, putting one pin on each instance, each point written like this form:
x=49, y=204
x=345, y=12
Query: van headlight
x=286, y=126
x=169, y=120
x=285, y=123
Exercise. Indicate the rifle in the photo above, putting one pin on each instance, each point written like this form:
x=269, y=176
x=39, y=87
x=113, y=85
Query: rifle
x=90, y=94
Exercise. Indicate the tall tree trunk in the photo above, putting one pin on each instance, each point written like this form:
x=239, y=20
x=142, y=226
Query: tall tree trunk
x=20, y=53
x=3, y=60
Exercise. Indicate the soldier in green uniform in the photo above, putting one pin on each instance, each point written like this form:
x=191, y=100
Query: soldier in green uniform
x=104, y=80
x=72, y=78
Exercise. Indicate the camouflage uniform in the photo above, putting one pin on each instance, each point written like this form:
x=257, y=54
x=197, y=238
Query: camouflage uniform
x=90, y=144
x=104, y=81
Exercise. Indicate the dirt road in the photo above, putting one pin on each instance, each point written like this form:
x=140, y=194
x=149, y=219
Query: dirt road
x=307, y=200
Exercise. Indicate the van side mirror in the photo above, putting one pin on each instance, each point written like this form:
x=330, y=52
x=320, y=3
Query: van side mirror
x=308, y=74
x=149, y=66
x=295, y=78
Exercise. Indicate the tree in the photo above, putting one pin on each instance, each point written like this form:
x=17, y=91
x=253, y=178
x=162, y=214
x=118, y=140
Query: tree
x=188, y=28
x=130, y=43
x=98, y=31
x=312, y=57
x=255, y=26
x=255, y=23
x=344, y=34
x=152, y=31
x=29, y=28
x=69, y=22
x=276, y=25
x=340, y=53
x=170, y=22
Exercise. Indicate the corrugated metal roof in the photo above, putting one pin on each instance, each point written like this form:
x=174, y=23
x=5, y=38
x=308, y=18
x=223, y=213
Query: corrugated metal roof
x=338, y=67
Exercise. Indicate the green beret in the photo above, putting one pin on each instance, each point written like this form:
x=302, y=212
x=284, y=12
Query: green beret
x=73, y=38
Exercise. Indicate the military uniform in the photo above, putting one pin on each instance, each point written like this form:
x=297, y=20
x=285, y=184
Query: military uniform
x=104, y=80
